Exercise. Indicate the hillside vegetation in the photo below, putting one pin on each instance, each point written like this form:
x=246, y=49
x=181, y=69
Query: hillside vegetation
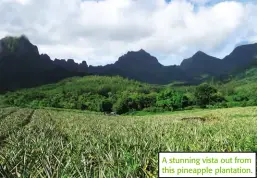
x=107, y=94
x=242, y=88
x=93, y=93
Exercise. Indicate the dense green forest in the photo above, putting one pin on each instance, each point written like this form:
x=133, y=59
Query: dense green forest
x=107, y=94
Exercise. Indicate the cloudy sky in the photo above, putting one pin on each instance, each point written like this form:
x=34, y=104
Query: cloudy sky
x=101, y=31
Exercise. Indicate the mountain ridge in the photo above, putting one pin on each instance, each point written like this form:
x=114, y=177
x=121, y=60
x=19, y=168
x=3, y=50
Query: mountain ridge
x=18, y=57
x=21, y=66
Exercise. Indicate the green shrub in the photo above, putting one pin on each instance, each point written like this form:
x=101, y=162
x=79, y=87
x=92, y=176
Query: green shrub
x=252, y=102
x=122, y=105
x=240, y=98
x=105, y=105
x=172, y=100
x=233, y=104
x=206, y=94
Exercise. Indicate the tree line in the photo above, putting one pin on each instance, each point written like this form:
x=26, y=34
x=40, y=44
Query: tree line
x=116, y=94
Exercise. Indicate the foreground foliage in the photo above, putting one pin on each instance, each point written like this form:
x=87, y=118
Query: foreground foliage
x=56, y=143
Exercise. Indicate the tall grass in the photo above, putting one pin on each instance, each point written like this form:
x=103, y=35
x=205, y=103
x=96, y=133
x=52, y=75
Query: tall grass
x=75, y=144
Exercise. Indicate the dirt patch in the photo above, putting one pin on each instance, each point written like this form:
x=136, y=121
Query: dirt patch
x=210, y=118
x=194, y=118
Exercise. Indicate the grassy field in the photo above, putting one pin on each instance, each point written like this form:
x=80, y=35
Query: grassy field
x=62, y=143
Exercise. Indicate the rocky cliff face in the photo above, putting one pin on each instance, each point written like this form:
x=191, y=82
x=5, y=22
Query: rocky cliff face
x=22, y=66
x=71, y=65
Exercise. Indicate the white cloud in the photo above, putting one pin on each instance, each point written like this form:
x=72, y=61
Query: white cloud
x=100, y=32
x=199, y=1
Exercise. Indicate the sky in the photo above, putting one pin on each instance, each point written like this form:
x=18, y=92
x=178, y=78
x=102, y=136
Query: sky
x=101, y=31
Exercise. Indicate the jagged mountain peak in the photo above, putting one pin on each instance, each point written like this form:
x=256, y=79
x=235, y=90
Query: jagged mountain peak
x=13, y=41
x=199, y=53
x=17, y=45
x=140, y=51
x=71, y=61
x=244, y=49
x=135, y=57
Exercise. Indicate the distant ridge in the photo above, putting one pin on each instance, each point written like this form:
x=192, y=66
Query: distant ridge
x=22, y=66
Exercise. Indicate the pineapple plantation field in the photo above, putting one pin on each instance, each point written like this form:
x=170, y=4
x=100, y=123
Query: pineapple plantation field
x=67, y=143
